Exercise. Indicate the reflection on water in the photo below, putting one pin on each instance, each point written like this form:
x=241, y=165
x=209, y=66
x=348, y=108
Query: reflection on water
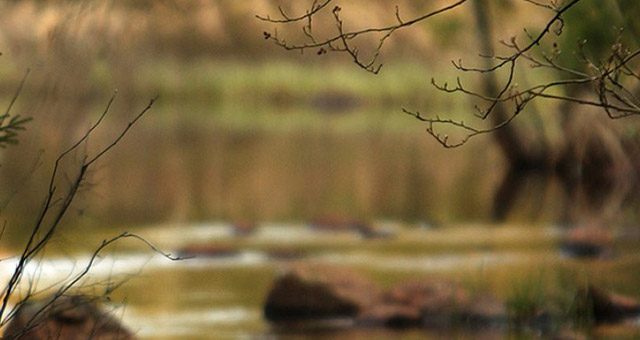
x=428, y=263
x=221, y=297
x=189, y=323
x=202, y=169
x=536, y=193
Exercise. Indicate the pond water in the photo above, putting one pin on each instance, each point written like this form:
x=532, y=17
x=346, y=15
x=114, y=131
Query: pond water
x=249, y=161
x=221, y=297
x=331, y=166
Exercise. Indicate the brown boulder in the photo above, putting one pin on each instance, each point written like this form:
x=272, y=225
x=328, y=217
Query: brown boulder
x=72, y=317
x=434, y=303
x=428, y=294
x=318, y=292
x=315, y=294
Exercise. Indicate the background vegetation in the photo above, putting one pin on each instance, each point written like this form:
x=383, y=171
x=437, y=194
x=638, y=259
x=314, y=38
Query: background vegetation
x=244, y=130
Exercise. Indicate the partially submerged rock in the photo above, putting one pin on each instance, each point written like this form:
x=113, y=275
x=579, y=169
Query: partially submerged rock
x=588, y=242
x=244, y=227
x=606, y=307
x=207, y=251
x=363, y=228
x=435, y=301
x=321, y=296
x=74, y=317
x=318, y=292
x=368, y=231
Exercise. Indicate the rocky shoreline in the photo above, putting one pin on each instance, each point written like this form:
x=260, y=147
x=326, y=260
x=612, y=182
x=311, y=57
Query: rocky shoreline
x=320, y=296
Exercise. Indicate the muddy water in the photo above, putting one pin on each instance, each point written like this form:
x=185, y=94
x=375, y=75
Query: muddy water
x=220, y=297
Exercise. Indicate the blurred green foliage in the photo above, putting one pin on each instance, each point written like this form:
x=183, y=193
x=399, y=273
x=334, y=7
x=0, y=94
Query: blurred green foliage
x=592, y=27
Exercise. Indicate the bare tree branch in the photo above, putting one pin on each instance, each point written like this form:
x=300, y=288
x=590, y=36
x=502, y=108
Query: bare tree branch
x=72, y=282
x=612, y=80
x=55, y=207
x=342, y=40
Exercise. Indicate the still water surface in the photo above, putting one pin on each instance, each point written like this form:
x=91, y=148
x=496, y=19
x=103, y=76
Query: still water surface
x=220, y=297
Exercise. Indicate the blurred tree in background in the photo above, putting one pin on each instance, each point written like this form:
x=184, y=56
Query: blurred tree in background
x=589, y=53
x=248, y=130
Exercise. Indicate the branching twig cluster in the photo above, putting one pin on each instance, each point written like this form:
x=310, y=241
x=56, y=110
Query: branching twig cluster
x=342, y=41
x=56, y=204
x=612, y=80
x=72, y=282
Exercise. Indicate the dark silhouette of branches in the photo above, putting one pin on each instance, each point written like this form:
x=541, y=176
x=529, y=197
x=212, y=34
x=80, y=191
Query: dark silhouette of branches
x=55, y=205
x=342, y=40
x=64, y=288
x=612, y=80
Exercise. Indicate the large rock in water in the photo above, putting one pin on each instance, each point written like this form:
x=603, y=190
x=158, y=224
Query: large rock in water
x=73, y=317
x=312, y=293
x=418, y=303
x=308, y=295
x=434, y=304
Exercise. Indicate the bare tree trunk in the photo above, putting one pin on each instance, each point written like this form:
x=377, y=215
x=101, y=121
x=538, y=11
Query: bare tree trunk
x=590, y=158
x=519, y=153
